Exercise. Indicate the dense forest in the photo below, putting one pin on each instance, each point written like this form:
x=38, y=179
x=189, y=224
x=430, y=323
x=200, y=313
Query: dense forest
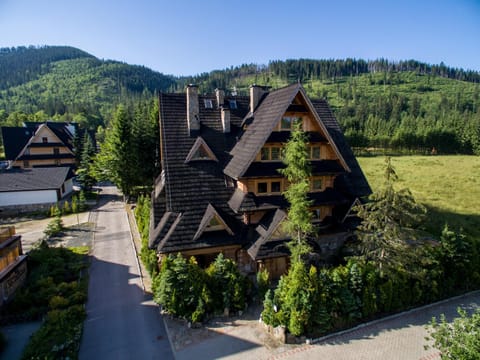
x=66, y=84
x=405, y=106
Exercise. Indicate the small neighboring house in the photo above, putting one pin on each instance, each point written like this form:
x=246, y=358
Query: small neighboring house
x=13, y=264
x=40, y=144
x=21, y=187
x=220, y=190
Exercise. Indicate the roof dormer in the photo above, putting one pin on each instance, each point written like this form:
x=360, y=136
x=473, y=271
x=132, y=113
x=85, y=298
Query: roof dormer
x=200, y=151
x=212, y=221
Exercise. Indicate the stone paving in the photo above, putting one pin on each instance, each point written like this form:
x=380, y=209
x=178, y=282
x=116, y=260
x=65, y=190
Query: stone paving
x=397, y=337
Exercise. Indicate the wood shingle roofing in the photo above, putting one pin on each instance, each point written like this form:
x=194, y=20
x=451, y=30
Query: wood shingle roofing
x=189, y=192
x=191, y=186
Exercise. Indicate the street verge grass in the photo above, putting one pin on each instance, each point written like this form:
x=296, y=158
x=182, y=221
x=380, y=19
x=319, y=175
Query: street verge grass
x=449, y=186
x=55, y=290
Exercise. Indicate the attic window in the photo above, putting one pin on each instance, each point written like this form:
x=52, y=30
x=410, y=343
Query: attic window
x=288, y=122
x=212, y=221
x=208, y=103
x=233, y=104
x=44, y=140
x=200, y=151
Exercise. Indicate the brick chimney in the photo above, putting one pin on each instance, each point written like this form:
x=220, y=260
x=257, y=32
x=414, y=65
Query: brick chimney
x=220, y=94
x=256, y=93
x=225, y=120
x=193, y=109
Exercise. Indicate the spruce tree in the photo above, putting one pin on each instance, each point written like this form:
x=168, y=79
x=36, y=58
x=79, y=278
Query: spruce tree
x=298, y=170
x=388, y=223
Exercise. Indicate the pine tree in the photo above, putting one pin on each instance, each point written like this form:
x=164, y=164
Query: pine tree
x=388, y=223
x=297, y=172
x=115, y=160
x=84, y=172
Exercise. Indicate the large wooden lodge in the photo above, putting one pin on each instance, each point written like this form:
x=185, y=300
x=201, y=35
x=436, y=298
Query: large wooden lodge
x=220, y=189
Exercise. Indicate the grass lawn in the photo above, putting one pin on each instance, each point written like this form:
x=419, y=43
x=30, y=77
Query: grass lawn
x=449, y=186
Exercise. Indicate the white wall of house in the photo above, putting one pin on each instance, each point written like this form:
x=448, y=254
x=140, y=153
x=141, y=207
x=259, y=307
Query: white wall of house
x=68, y=187
x=28, y=197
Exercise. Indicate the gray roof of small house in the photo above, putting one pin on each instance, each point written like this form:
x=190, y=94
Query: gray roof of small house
x=34, y=179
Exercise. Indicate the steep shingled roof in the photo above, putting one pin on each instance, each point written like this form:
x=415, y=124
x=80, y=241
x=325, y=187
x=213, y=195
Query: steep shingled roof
x=272, y=107
x=355, y=182
x=191, y=186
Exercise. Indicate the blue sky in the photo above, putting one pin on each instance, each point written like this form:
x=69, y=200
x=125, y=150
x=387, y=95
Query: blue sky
x=183, y=37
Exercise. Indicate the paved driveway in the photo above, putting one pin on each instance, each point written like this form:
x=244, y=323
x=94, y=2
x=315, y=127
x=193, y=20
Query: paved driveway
x=396, y=338
x=122, y=321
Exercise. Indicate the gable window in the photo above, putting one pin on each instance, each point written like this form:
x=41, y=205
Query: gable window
x=44, y=140
x=315, y=152
x=262, y=187
x=200, y=151
x=316, y=184
x=269, y=187
x=208, y=103
x=316, y=215
x=288, y=122
x=270, y=153
x=265, y=153
x=276, y=187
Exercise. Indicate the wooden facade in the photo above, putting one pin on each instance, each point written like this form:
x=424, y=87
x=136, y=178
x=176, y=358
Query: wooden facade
x=13, y=265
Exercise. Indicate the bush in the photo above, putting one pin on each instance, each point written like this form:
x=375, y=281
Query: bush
x=55, y=226
x=458, y=340
x=263, y=282
x=227, y=285
x=185, y=290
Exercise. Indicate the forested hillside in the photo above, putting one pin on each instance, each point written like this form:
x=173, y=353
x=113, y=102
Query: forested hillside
x=65, y=83
x=405, y=106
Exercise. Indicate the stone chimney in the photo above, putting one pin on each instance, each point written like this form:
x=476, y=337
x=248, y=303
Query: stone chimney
x=193, y=109
x=256, y=93
x=220, y=94
x=225, y=120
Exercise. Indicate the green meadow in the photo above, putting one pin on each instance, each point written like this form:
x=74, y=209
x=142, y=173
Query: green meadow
x=449, y=186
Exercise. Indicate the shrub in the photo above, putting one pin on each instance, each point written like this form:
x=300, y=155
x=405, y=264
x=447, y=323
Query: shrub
x=263, y=282
x=459, y=340
x=228, y=286
x=55, y=226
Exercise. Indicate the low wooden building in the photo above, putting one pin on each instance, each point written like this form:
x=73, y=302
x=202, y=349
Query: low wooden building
x=220, y=189
x=13, y=264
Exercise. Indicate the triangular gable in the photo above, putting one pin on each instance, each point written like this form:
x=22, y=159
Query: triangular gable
x=266, y=118
x=312, y=110
x=273, y=232
x=351, y=212
x=200, y=151
x=211, y=221
x=35, y=136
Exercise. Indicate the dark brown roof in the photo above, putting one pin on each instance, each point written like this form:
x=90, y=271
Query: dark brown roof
x=266, y=116
x=190, y=187
x=354, y=182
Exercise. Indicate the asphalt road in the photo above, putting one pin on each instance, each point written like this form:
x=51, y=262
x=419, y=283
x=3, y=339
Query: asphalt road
x=122, y=321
